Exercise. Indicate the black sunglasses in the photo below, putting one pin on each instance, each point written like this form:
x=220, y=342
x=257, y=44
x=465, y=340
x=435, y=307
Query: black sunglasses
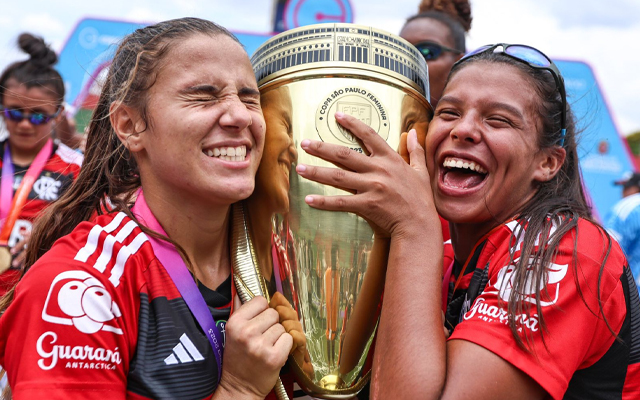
x=35, y=118
x=431, y=50
x=535, y=59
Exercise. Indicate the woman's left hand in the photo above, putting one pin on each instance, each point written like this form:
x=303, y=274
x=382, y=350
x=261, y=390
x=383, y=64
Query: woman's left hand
x=388, y=192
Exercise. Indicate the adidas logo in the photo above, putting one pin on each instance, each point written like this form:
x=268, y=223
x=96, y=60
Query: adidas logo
x=184, y=352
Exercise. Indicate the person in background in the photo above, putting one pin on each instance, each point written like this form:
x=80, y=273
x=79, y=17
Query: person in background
x=438, y=31
x=623, y=222
x=540, y=302
x=66, y=133
x=128, y=290
x=35, y=170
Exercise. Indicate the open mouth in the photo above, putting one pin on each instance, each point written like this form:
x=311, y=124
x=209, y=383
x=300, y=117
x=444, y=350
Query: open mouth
x=462, y=174
x=238, y=153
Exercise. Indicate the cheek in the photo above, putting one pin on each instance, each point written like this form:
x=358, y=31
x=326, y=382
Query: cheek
x=44, y=130
x=438, y=71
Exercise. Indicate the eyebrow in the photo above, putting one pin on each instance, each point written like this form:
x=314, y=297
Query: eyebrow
x=213, y=90
x=247, y=91
x=490, y=104
x=200, y=89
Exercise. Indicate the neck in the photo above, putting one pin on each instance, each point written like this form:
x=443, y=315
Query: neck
x=464, y=238
x=24, y=158
x=200, y=229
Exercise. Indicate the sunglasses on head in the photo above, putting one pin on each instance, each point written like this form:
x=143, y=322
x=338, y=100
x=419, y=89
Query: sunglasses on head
x=34, y=118
x=535, y=59
x=431, y=50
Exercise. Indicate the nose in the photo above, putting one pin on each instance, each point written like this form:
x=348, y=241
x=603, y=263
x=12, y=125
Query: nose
x=235, y=116
x=466, y=130
x=25, y=123
x=293, y=152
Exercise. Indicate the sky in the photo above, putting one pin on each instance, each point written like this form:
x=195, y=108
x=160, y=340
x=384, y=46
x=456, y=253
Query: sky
x=606, y=35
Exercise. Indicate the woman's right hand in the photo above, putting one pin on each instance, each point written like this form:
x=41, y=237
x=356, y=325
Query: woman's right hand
x=390, y=194
x=256, y=347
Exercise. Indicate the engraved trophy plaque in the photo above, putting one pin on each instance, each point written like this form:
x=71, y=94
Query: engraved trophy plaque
x=326, y=264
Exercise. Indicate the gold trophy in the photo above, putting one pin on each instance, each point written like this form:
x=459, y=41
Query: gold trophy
x=326, y=264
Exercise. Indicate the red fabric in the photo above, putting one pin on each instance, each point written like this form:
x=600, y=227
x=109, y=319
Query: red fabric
x=577, y=336
x=445, y=229
x=92, y=319
x=61, y=169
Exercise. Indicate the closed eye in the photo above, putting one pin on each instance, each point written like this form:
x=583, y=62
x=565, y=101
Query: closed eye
x=447, y=113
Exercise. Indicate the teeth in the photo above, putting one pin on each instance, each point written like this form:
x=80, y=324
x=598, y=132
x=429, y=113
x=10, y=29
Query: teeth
x=451, y=162
x=238, y=153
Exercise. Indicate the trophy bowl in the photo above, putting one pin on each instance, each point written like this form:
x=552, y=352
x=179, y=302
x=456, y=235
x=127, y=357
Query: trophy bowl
x=326, y=264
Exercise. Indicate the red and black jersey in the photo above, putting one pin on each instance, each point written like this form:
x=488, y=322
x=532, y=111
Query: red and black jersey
x=61, y=169
x=580, y=357
x=99, y=317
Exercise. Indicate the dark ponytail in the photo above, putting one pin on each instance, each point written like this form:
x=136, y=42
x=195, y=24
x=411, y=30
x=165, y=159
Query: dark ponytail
x=37, y=71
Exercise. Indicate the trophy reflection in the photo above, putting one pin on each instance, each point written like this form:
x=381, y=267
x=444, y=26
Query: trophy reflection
x=325, y=268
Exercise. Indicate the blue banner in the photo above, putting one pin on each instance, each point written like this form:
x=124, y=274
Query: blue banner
x=604, y=155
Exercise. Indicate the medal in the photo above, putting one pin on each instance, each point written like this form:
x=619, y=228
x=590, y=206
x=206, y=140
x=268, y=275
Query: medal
x=10, y=204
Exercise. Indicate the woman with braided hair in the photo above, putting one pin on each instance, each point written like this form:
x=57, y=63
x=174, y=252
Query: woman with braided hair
x=438, y=31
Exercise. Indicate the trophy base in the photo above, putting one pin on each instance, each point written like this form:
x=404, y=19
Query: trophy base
x=332, y=382
x=330, y=387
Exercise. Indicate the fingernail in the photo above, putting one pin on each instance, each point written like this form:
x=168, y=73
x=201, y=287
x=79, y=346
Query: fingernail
x=301, y=168
x=305, y=143
x=339, y=114
x=308, y=199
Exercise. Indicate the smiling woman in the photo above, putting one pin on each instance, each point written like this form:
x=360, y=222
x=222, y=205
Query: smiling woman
x=140, y=275
x=539, y=300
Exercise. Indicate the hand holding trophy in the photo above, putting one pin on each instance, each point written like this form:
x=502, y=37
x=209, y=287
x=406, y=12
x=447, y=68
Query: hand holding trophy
x=324, y=269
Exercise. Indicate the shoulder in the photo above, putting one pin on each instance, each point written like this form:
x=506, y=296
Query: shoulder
x=627, y=207
x=67, y=155
x=109, y=248
x=593, y=242
x=78, y=308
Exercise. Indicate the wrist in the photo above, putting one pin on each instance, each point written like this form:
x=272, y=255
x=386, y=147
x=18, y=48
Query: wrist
x=234, y=391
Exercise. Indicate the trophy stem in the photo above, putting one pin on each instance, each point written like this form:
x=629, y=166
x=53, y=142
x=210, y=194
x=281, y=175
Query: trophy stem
x=246, y=275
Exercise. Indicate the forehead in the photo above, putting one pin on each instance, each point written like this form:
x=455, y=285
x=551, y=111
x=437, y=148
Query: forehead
x=496, y=81
x=18, y=95
x=421, y=29
x=201, y=59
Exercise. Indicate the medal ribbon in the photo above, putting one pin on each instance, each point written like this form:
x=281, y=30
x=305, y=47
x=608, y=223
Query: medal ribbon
x=181, y=277
x=10, y=205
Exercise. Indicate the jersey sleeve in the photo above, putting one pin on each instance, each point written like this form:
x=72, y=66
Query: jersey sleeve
x=69, y=333
x=576, y=335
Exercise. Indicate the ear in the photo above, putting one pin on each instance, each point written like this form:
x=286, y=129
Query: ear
x=128, y=125
x=549, y=163
x=61, y=115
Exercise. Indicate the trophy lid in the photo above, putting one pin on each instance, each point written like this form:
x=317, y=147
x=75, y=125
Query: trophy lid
x=341, y=45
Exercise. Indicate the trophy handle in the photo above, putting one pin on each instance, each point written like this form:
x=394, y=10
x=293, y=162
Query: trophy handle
x=246, y=275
